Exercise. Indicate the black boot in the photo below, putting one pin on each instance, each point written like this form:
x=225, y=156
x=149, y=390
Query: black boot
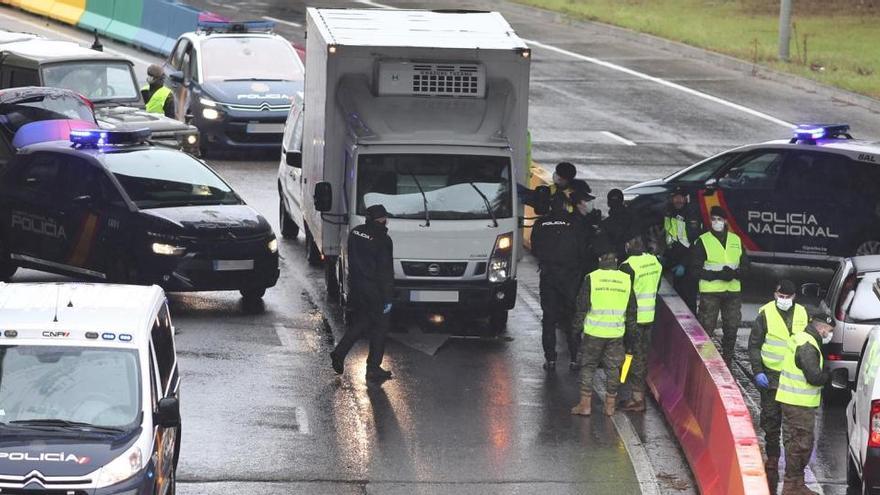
x=338, y=362
x=378, y=374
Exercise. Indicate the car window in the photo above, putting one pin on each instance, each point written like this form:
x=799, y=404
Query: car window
x=6, y=152
x=44, y=107
x=177, y=55
x=249, y=58
x=816, y=174
x=294, y=137
x=163, y=344
x=40, y=175
x=702, y=171
x=80, y=178
x=98, y=81
x=866, y=179
x=16, y=77
x=756, y=171
x=865, y=307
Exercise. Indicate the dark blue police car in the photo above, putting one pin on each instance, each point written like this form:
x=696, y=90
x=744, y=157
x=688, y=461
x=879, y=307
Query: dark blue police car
x=108, y=206
x=813, y=198
x=235, y=82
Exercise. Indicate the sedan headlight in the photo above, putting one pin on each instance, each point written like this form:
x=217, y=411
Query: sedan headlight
x=273, y=245
x=168, y=249
x=122, y=468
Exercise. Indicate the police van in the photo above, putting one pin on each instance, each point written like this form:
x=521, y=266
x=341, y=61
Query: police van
x=89, y=390
x=235, y=82
x=813, y=198
x=109, y=206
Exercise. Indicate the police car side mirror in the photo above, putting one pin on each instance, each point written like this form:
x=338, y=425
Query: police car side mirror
x=323, y=196
x=168, y=413
x=294, y=159
x=840, y=379
x=176, y=77
x=711, y=184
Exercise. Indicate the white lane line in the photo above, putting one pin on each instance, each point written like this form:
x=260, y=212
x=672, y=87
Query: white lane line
x=287, y=339
x=378, y=5
x=282, y=21
x=73, y=38
x=619, y=139
x=302, y=420
x=641, y=463
x=662, y=82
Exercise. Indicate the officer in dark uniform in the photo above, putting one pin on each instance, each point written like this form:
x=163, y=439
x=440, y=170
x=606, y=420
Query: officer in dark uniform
x=618, y=224
x=559, y=244
x=589, y=218
x=371, y=283
x=681, y=227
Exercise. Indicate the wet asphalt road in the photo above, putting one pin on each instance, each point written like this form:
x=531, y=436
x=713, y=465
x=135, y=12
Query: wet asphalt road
x=261, y=405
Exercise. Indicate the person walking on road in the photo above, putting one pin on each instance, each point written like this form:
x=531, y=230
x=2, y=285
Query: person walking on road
x=157, y=96
x=720, y=261
x=777, y=322
x=801, y=380
x=645, y=271
x=606, y=313
x=681, y=227
x=559, y=245
x=371, y=282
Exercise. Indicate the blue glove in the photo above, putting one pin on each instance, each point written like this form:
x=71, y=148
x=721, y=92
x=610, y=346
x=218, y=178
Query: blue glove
x=762, y=381
x=678, y=271
x=386, y=309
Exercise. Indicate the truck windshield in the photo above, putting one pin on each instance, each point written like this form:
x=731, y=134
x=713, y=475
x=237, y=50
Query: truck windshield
x=246, y=58
x=97, y=81
x=84, y=385
x=160, y=178
x=450, y=184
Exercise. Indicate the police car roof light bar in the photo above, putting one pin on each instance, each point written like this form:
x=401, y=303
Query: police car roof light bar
x=235, y=27
x=809, y=133
x=98, y=137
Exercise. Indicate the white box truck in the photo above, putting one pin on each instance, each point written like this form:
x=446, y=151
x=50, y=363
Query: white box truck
x=426, y=113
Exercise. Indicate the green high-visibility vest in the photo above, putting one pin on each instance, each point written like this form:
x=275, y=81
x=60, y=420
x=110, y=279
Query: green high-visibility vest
x=794, y=389
x=676, y=231
x=647, y=270
x=157, y=101
x=778, y=335
x=609, y=297
x=717, y=257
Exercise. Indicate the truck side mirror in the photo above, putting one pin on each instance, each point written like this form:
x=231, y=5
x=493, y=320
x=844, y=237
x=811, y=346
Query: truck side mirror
x=323, y=196
x=168, y=413
x=840, y=378
x=294, y=159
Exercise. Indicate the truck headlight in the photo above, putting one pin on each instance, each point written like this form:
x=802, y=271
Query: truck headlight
x=168, y=249
x=273, y=245
x=210, y=114
x=499, y=263
x=122, y=468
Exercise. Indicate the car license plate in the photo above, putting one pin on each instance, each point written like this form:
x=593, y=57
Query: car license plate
x=257, y=128
x=449, y=296
x=233, y=265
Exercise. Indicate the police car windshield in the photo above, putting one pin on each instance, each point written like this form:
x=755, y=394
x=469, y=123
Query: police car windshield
x=159, y=178
x=249, y=59
x=703, y=170
x=449, y=183
x=97, y=81
x=91, y=385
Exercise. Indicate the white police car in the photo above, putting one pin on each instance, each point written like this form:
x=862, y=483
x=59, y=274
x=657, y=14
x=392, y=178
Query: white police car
x=235, y=82
x=89, y=390
x=814, y=198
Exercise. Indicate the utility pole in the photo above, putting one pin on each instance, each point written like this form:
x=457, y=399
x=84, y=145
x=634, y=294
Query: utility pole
x=784, y=29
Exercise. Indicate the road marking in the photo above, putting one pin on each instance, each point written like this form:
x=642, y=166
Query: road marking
x=619, y=139
x=371, y=3
x=287, y=339
x=657, y=80
x=282, y=21
x=302, y=420
x=645, y=473
x=73, y=38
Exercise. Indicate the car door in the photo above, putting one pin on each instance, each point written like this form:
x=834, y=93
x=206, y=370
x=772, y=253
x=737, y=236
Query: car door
x=745, y=190
x=36, y=233
x=180, y=90
x=168, y=439
x=292, y=174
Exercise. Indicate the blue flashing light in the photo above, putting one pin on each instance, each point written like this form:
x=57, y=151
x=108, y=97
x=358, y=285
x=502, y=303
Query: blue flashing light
x=236, y=27
x=812, y=132
x=124, y=337
x=99, y=137
x=108, y=336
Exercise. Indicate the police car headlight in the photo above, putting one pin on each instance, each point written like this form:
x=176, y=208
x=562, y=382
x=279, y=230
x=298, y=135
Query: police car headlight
x=210, y=114
x=168, y=249
x=208, y=103
x=122, y=468
x=273, y=245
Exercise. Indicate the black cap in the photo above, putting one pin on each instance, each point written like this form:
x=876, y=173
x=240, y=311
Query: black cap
x=679, y=191
x=376, y=211
x=822, y=316
x=718, y=211
x=580, y=185
x=566, y=170
x=786, y=287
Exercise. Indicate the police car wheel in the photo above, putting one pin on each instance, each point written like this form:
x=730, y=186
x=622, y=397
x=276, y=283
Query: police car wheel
x=868, y=247
x=253, y=294
x=289, y=229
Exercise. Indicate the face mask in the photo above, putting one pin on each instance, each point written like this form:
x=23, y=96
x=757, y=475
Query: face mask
x=585, y=207
x=151, y=80
x=827, y=339
x=717, y=225
x=784, y=303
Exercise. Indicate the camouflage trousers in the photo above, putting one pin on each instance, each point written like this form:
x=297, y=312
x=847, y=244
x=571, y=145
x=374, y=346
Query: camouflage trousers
x=729, y=304
x=610, y=353
x=641, y=347
x=771, y=418
x=798, y=431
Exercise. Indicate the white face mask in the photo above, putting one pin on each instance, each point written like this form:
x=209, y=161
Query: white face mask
x=827, y=339
x=784, y=303
x=718, y=225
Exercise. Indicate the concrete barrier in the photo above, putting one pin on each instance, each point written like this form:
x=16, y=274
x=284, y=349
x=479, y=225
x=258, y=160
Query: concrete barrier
x=703, y=404
x=68, y=11
x=126, y=20
x=42, y=7
x=97, y=16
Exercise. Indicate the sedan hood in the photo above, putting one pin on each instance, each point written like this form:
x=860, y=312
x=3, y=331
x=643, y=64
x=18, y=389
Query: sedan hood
x=273, y=93
x=210, y=221
x=130, y=118
x=26, y=451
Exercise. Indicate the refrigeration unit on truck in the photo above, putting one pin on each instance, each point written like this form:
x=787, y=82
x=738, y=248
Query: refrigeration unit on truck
x=425, y=113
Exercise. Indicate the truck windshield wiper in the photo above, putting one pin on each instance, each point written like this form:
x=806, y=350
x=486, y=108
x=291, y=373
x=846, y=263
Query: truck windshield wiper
x=486, y=202
x=424, y=199
x=63, y=423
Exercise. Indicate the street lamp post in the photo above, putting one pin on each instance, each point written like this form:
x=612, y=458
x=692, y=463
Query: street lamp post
x=784, y=29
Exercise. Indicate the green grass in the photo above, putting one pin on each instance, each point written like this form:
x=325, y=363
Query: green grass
x=842, y=50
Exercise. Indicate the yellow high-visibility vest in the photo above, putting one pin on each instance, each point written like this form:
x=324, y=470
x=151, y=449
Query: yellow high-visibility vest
x=778, y=335
x=157, y=101
x=647, y=270
x=794, y=389
x=718, y=257
x=609, y=296
x=676, y=231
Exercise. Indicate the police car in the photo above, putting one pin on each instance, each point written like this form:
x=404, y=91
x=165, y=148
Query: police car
x=812, y=198
x=108, y=206
x=89, y=390
x=235, y=82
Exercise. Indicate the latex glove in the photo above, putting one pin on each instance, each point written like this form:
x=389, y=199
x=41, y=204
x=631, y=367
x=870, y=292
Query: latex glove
x=678, y=271
x=762, y=381
x=386, y=309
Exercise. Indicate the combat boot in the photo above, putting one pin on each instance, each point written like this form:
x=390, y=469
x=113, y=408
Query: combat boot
x=771, y=467
x=583, y=407
x=610, y=404
x=796, y=486
x=636, y=403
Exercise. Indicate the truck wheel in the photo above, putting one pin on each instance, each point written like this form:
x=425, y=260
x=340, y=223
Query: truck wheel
x=7, y=267
x=289, y=229
x=313, y=255
x=331, y=280
x=497, y=321
x=253, y=294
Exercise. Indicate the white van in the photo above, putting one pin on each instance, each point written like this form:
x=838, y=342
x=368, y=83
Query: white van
x=863, y=418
